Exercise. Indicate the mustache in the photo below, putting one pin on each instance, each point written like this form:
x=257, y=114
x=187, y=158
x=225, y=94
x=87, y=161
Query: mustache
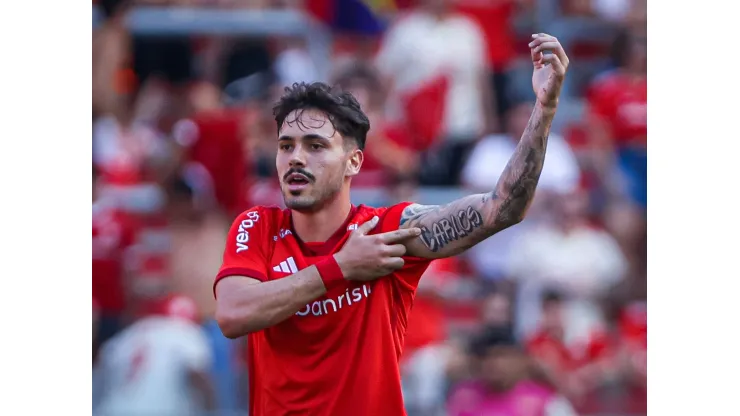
x=300, y=171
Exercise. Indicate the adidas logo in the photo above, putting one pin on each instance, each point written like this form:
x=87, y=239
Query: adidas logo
x=286, y=266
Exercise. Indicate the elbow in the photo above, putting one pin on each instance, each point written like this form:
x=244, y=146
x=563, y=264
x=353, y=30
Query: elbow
x=227, y=324
x=234, y=325
x=501, y=223
x=516, y=219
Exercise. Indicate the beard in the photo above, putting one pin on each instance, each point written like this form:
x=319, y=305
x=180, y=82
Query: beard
x=312, y=199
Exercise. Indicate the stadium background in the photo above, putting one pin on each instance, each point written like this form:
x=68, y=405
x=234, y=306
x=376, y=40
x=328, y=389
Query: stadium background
x=182, y=142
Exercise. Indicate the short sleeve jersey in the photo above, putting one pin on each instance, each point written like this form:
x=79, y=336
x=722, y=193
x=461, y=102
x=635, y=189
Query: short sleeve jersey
x=339, y=354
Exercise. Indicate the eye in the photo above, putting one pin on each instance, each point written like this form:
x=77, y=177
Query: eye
x=285, y=147
x=316, y=146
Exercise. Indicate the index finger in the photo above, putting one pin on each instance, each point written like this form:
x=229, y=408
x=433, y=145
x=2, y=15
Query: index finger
x=399, y=235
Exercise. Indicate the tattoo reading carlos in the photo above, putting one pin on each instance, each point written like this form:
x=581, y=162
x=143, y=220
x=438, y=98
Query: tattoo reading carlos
x=453, y=227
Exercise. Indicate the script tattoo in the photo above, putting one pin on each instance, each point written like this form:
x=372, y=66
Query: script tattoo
x=455, y=227
x=458, y=225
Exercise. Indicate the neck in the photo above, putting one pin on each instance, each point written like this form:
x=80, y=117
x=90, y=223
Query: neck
x=319, y=226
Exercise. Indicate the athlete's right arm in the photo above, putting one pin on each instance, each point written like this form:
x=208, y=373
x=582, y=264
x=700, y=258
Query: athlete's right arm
x=247, y=305
x=246, y=302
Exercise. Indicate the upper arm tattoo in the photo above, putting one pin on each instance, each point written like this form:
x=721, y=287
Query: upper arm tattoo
x=448, y=229
x=453, y=228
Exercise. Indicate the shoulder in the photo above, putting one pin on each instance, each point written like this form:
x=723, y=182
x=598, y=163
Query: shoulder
x=390, y=216
x=261, y=214
x=264, y=210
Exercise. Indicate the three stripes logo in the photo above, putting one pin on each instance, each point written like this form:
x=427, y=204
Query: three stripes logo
x=286, y=266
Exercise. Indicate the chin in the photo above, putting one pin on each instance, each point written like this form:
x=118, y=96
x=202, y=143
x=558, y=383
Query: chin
x=301, y=204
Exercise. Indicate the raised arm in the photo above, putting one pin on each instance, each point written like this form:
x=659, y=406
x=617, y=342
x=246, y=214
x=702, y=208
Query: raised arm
x=448, y=230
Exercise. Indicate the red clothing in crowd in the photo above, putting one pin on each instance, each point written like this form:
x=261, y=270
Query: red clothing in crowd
x=495, y=18
x=621, y=101
x=219, y=148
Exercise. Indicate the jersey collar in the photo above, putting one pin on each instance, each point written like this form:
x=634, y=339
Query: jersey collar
x=314, y=249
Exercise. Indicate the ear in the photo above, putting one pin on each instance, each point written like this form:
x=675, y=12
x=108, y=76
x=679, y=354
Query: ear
x=354, y=162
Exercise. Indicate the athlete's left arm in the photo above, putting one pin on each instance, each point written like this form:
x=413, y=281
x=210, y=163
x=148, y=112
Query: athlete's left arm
x=448, y=230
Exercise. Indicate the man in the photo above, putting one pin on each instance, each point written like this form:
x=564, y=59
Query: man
x=507, y=382
x=323, y=289
x=434, y=60
x=155, y=366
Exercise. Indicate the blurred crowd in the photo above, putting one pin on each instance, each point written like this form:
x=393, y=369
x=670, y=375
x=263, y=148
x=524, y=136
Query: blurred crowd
x=183, y=140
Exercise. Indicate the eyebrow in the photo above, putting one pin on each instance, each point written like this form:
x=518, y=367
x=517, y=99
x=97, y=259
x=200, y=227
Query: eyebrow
x=311, y=136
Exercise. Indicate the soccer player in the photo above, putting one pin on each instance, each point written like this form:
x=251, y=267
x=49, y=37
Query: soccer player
x=323, y=289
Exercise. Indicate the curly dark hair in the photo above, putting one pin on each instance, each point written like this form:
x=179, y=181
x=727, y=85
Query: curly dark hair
x=340, y=106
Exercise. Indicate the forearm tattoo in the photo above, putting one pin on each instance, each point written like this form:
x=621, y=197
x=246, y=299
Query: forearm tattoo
x=453, y=228
x=515, y=189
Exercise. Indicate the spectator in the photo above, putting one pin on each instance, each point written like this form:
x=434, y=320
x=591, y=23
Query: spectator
x=547, y=345
x=496, y=20
x=434, y=61
x=568, y=254
x=614, y=366
x=198, y=231
x=496, y=311
x=215, y=139
x=157, y=366
x=387, y=158
x=504, y=384
x=617, y=122
x=617, y=114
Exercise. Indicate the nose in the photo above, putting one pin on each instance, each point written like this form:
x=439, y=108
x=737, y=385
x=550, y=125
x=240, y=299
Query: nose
x=297, y=157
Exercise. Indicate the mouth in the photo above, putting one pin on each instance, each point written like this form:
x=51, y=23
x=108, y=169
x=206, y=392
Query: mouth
x=297, y=182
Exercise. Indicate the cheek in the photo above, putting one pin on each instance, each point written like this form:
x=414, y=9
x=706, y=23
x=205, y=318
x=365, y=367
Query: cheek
x=282, y=162
x=329, y=170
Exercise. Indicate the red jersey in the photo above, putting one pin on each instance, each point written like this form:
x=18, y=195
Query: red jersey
x=339, y=354
x=219, y=149
x=622, y=102
x=495, y=19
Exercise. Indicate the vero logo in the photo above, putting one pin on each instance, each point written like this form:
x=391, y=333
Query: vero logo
x=286, y=266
